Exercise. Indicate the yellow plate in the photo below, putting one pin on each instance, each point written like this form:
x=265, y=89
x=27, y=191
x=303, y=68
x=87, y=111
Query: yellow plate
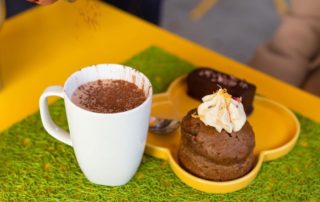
x=276, y=131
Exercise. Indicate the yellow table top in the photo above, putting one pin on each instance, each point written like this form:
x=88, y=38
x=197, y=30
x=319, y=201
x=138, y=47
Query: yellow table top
x=44, y=45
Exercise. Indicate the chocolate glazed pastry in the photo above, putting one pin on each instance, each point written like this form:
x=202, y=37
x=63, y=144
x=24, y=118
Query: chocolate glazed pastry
x=215, y=156
x=205, y=81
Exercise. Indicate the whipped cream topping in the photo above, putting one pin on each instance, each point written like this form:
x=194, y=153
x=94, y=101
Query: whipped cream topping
x=221, y=111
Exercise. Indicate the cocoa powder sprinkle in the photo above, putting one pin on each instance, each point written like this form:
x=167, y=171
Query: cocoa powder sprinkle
x=108, y=96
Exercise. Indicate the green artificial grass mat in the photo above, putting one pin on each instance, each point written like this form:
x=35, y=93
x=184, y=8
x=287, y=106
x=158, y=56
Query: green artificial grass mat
x=36, y=167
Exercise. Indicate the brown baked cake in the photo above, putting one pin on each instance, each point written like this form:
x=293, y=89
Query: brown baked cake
x=204, y=81
x=209, y=148
x=216, y=156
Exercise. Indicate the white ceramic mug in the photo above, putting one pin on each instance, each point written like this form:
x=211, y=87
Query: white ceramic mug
x=108, y=147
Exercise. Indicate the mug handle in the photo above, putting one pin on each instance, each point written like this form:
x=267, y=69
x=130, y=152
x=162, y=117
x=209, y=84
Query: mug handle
x=54, y=130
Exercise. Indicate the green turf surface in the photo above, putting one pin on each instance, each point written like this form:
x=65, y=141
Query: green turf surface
x=34, y=166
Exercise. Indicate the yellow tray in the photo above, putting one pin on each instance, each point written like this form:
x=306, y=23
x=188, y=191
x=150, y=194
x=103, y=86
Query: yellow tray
x=276, y=131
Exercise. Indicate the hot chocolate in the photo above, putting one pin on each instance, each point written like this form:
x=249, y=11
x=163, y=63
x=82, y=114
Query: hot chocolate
x=108, y=96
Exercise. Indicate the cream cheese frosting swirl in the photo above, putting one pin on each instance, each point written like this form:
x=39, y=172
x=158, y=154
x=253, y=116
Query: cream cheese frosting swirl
x=221, y=111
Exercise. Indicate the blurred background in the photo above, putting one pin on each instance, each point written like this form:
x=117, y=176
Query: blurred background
x=277, y=37
x=231, y=27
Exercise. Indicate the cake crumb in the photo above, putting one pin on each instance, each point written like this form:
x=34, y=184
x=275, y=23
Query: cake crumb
x=25, y=142
x=46, y=166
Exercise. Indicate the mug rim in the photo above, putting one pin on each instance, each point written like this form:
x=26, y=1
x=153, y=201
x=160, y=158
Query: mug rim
x=149, y=97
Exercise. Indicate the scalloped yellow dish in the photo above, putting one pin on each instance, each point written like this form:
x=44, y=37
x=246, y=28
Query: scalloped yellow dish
x=276, y=132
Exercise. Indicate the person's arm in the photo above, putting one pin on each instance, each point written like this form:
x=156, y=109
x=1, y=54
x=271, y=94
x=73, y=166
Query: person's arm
x=290, y=54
